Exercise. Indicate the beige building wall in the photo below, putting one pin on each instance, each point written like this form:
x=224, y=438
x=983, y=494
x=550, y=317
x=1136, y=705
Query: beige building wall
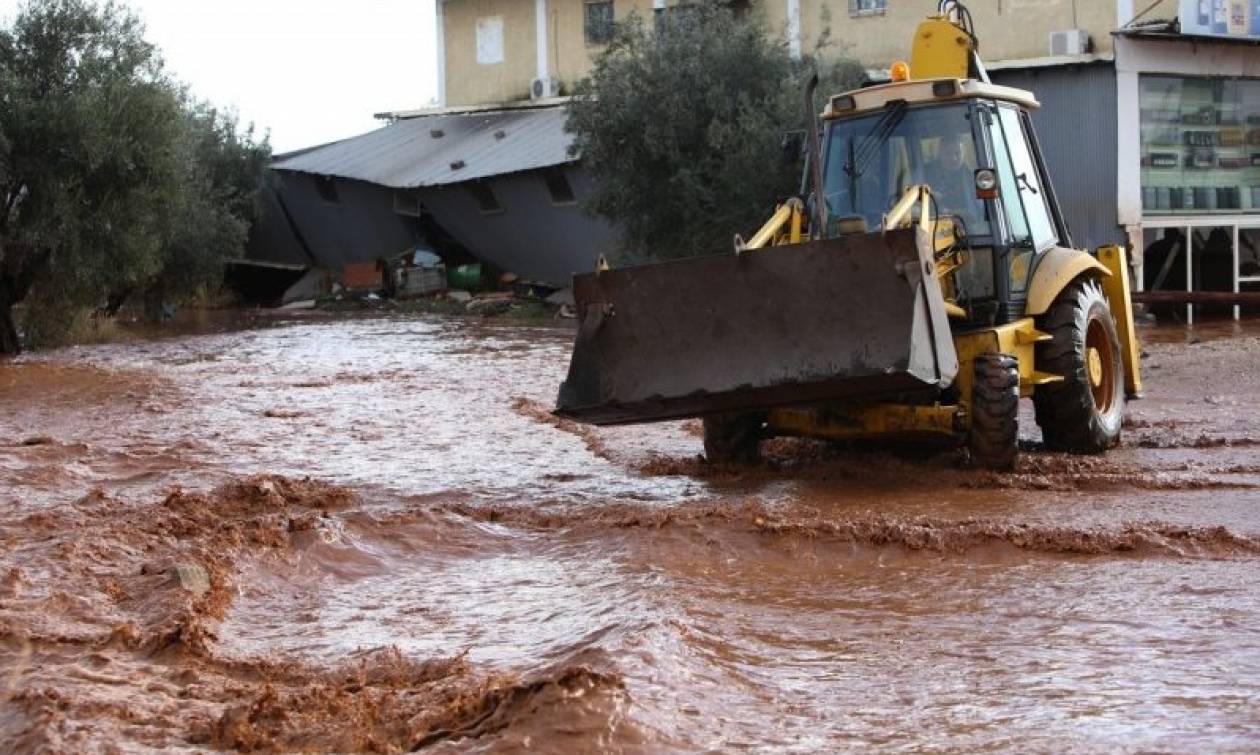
x=469, y=82
x=568, y=56
x=1008, y=30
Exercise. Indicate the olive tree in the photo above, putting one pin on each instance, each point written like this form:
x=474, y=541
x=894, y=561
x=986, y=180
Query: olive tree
x=681, y=122
x=223, y=165
x=111, y=178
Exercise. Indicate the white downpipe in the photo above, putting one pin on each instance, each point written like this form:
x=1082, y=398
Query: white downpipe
x=439, y=28
x=794, y=28
x=540, y=37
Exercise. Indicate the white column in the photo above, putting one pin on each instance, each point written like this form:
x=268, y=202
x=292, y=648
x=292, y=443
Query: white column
x=540, y=36
x=1189, y=272
x=1234, y=271
x=1137, y=255
x=1124, y=12
x=794, y=28
x=439, y=31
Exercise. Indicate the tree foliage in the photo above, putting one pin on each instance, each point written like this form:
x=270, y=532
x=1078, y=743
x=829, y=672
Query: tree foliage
x=222, y=169
x=112, y=178
x=681, y=123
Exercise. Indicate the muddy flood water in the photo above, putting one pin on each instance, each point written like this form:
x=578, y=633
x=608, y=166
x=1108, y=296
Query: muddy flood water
x=370, y=534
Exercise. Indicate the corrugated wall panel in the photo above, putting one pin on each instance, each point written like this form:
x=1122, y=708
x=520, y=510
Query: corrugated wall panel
x=360, y=226
x=532, y=237
x=1076, y=126
x=271, y=239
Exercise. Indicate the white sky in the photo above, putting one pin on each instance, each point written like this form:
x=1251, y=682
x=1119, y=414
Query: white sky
x=310, y=71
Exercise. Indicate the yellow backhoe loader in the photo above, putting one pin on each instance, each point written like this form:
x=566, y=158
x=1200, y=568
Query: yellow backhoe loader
x=925, y=283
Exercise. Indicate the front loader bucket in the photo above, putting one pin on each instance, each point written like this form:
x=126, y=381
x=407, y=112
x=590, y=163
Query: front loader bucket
x=857, y=317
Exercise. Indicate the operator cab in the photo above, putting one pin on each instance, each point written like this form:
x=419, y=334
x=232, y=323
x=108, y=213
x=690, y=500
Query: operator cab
x=881, y=141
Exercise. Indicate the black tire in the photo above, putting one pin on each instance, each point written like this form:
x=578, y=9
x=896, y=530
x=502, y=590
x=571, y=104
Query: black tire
x=994, y=436
x=1083, y=412
x=733, y=438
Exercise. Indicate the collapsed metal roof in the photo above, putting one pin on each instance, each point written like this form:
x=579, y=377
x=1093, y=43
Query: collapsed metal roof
x=436, y=150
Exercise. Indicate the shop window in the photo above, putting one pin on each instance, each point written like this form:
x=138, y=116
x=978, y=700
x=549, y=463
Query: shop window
x=326, y=186
x=484, y=196
x=1200, y=145
x=868, y=7
x=598, y=22
x=558, y=186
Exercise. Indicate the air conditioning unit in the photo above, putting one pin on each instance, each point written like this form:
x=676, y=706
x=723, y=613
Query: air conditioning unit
x=541, y=89
x=1070, y=42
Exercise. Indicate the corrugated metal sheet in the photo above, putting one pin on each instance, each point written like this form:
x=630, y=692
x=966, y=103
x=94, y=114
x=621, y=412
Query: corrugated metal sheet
x=532, y=236
x=1076, y=126
x=407, y=154
x=360, y=226
x=273, y=239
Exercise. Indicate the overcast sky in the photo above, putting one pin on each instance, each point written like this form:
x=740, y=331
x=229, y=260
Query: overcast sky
x=311, y=71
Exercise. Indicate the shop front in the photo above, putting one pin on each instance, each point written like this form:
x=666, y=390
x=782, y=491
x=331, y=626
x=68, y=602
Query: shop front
x=1189, y=159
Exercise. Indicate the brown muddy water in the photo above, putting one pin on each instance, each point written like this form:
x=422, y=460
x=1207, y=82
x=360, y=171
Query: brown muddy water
x=403, y=550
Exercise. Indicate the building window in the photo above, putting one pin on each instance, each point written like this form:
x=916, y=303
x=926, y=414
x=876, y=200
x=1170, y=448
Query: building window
x=327, y=188
x=1200, y=145
x=673, y=15
x=558, y=186
x=867, y=7
x=599, y=22
x=484, y=196
x=489, y=40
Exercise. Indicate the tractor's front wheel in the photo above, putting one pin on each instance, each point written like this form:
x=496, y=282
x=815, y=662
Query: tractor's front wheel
x=994, y=436
x=733, y=438
x=1081, y=413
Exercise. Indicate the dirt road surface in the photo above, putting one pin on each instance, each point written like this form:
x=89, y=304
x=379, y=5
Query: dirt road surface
x=369, y=534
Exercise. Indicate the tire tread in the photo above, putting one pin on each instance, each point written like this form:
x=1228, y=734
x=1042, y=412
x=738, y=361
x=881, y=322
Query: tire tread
x=1065, y=410
x=994, y=436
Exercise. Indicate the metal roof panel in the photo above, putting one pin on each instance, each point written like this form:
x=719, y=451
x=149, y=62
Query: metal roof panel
x=437, y=150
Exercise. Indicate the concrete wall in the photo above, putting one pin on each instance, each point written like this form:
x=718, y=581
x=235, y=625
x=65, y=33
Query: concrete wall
x=568, y=57
x=469, y=82
x=1008, y=29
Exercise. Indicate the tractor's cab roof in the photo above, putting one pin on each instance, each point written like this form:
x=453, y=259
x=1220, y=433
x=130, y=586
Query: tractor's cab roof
x=922, y=91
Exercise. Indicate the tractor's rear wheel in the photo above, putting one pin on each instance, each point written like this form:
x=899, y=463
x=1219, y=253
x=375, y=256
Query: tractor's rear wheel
x=994, y=436
x=1083, y=412
x=733, y=438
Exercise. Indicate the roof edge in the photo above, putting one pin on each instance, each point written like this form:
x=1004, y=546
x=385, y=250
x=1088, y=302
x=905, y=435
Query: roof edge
x=398, y=115
x=1050, y=61
x=1169, y=36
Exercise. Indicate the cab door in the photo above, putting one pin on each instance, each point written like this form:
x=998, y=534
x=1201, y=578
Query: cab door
x=1024, y=205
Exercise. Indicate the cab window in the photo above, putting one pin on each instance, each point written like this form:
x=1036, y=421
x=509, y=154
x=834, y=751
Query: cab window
x=1028, y=188
x=873, y=159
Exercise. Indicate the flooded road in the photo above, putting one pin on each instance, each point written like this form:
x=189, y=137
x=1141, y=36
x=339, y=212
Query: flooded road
x=403, y=549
